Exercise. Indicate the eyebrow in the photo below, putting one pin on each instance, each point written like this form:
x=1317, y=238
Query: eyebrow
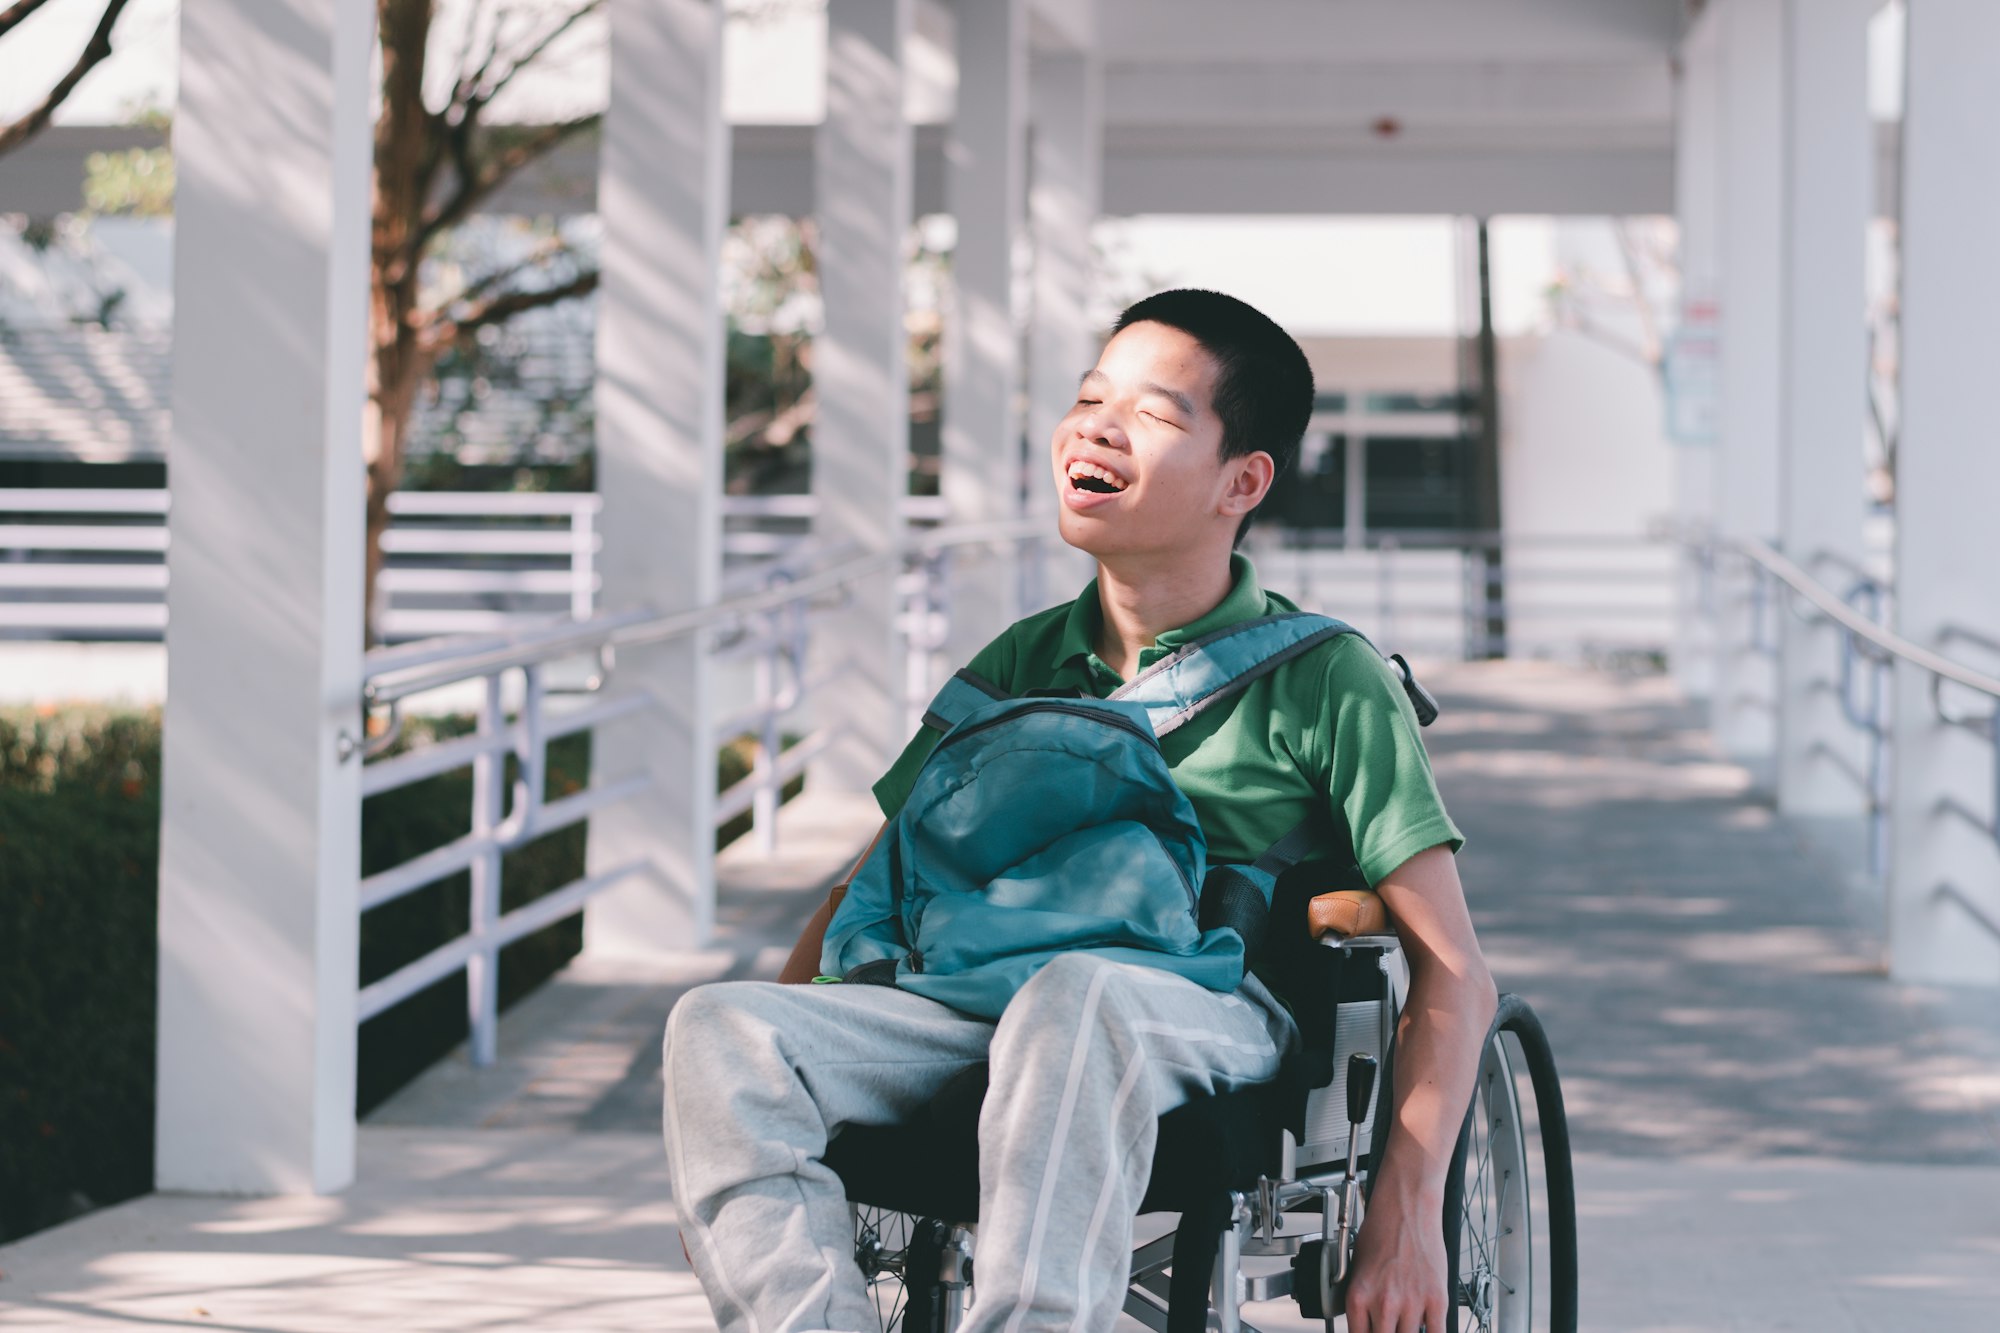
x=1174, y=396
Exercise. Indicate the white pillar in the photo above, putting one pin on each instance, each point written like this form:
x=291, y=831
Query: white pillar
x=663, y=196
x=1066, y=171
x=260, y=811
x=861, y=424
x=1947, y=478
x=1752, y=239
x=1697, y=194
x=985, y=185
x=1829, y=170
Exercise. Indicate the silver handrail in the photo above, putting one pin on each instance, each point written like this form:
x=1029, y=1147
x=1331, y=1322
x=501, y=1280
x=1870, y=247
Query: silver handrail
x=1802, y=583
x=1885, y=650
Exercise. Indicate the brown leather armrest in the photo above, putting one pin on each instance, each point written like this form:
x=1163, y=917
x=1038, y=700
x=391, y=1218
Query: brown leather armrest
x=803, y=965
x=1347, y=912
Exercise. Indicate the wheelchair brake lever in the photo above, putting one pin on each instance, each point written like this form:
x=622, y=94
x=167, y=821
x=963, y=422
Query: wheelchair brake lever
x=1360, y=1091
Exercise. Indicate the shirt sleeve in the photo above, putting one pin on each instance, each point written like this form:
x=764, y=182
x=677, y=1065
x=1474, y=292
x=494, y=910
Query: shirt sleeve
x=1379, y=775
x=995, y=662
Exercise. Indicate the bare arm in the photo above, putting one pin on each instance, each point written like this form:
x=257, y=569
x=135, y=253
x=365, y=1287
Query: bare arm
x=803, y=965
x=1399, y=1281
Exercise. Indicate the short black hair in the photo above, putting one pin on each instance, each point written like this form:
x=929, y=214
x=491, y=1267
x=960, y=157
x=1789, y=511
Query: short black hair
x=1263, y=383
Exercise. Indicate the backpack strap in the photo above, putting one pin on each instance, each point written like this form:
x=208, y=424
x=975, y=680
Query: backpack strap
x=962, y=695
x=1289, y=850
x=1179, y=687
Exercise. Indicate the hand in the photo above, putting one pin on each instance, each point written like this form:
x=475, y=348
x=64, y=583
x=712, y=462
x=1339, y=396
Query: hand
x=1399, y=1280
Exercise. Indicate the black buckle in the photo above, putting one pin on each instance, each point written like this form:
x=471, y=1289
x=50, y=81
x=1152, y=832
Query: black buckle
x=1421, y=699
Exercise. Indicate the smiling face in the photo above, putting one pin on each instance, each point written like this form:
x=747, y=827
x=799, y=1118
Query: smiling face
x=1138, y=458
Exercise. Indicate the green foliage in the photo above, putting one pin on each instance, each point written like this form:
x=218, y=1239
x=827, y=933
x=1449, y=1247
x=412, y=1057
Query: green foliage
x=79, y=837
x=135, y=182
x=79, y=851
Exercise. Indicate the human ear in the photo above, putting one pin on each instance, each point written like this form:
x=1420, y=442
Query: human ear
x=1246, y=481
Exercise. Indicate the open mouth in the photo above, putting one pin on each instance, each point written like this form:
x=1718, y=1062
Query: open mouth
x=1088, y=476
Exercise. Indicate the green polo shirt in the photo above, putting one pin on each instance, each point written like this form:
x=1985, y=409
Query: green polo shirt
x=1331, y=728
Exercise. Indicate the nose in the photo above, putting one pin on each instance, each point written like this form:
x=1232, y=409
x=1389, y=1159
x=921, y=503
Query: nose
x=1101, y=426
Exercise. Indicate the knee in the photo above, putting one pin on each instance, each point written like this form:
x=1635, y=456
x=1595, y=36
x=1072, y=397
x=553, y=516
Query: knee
x=706, y=1025
x=1074, y=995
x=1073, y=982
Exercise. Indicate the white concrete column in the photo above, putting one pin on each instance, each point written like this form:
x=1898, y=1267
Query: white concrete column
x=1947, y=481
x=1829, y=171
x=1065, y=175
x=1691, y=370
x=985, y=186
x=1752, y=53
x=260, y=812
x=861, y=425
x=663, y=195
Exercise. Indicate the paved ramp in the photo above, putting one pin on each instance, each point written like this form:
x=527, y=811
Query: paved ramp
x=1771, y=1133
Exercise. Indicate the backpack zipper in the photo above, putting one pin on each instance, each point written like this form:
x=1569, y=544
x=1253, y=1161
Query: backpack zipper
x=1109, y=719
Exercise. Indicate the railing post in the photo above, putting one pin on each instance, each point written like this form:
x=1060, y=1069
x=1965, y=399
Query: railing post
x=489, y=798
x=582, y=559
x=764, y=808
x=1385, y=589
x=929, y=628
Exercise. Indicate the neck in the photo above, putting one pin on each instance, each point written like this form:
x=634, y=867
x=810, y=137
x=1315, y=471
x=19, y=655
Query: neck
x=1140, y=601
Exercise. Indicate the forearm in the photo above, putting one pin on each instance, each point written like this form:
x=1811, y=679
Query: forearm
x=1438, y=1037
x=1399, y=1280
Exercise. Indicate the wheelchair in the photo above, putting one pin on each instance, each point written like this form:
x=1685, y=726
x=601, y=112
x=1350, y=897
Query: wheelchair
x=1269, y=1183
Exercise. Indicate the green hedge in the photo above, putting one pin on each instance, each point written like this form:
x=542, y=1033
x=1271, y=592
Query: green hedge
x=79, y=839
x=79, y=851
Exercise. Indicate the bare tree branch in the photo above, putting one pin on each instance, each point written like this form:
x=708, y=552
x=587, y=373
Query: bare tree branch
x=475, y=188
x=486, y=282
x=14, y=13
x=536, y=49
x=13, y=136
x=465, y=87
x=465, y=44
x=446, y=329
x=1642, y=302
x=1582, y=323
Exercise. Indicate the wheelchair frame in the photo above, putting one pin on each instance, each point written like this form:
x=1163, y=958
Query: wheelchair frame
x=1492, y=1282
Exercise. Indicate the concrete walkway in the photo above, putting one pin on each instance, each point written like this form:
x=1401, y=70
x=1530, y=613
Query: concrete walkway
x=1770, y=1134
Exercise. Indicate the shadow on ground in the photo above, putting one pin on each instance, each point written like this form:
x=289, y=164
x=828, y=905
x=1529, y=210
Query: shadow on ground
x=1713, y=985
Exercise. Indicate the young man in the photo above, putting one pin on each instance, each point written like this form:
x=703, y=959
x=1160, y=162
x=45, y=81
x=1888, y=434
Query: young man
x=1196, y=405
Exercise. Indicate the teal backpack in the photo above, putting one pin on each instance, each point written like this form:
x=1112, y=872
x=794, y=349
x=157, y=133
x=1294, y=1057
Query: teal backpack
x=1047, y=825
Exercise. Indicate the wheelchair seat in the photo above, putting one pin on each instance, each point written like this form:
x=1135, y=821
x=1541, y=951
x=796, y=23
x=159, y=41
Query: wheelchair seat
x=1213, y=1143
x=1207, y=1148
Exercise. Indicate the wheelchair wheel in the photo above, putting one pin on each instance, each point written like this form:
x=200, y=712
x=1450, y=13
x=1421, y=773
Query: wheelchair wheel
x=1491, y=1191
x=903, y=1259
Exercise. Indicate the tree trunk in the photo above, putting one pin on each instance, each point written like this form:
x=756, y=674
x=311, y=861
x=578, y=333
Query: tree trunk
x=406, y=155
x=400, y=368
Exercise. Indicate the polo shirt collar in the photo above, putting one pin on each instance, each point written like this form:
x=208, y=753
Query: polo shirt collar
x=1245, y=601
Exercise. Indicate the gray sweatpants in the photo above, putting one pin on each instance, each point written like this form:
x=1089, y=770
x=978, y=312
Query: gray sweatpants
x=759, y=1076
